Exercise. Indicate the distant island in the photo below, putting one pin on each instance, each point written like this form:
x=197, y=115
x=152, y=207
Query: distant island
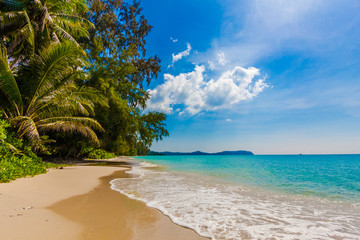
x=239, y=152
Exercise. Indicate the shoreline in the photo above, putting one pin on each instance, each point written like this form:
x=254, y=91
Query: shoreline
x=77, y=203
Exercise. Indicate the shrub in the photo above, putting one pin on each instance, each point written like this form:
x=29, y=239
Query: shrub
x=12, y=167
x=16, y=157
x=101, y=154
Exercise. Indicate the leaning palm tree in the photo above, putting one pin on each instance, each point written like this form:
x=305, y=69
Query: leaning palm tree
x=41, y=96
x=31, y=25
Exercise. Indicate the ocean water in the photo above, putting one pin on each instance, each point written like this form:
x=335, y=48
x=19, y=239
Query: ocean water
x=252, y=197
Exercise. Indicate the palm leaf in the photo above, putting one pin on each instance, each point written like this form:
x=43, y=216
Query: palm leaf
x=8, y=85
x=76, y=20
x=26, y=127
x=63, y=33
x=11, y=21
x=90, y=122
x=48, y=69
x=31, y=38
x=68, y=6
x=64, y=100
x=79, y=125
x=68, y=99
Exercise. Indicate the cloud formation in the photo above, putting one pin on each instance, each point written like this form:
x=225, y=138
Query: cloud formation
x=220, y=60
x=180, y=55
x=173, y=39
x=257, y=29
x=195, y=94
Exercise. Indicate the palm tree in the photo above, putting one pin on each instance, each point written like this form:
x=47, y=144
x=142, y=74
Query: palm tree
x=31, y=25
x=41, y=96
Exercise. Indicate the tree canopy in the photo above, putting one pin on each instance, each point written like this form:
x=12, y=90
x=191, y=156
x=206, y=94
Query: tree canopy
x=29, y=26
x=120, y=70
x=70, y=66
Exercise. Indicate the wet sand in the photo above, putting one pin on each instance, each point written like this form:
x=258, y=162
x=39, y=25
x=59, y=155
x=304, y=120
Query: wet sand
x=77, y=203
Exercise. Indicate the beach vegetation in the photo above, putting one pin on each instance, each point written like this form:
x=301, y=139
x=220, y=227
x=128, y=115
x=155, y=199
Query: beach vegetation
x=73, y=82
x=16, y=156
x=17, y=166
x=41, y=96
x=101, y=154
x=121, y=70
x=29, y=26
x=40, y=62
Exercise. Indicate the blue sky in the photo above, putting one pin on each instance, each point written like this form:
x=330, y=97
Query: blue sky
x=272, y=77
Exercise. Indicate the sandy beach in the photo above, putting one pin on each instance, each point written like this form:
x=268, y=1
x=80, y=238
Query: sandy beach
x=77, y=203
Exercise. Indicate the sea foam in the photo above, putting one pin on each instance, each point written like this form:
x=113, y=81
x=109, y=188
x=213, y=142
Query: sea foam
x=222, y=210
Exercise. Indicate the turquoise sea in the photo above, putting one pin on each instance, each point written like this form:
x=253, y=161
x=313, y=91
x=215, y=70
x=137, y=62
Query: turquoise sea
x=253, y=197
x=330, y=176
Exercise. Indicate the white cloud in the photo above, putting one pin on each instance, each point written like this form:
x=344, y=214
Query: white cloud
x=173, y=39
x=180, y=55
x=256, y=29
x=196, y=94
x=221, y=58
x=211, y=65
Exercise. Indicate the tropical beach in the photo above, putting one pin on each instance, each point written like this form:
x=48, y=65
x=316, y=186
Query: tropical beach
x=77, y=203
x=169, y=120
x=108, y=201
x=252, y=196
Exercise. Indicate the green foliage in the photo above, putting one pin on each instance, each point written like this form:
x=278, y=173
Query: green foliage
x=55, y=71
x=40, y=61
x=9, y=144
x=32, y=26
x=16, y=158
x=44, y=96
x=101, y=154
x=13, y=166
x=119, y=69
x=3, y=125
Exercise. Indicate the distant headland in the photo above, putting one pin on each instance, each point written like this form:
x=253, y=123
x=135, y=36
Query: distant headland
x=239, y=152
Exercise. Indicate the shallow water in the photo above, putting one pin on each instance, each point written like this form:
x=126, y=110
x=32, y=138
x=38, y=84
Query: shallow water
x=253, y=197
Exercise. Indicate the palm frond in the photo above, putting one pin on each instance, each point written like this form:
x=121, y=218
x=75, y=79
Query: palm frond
x=11, y=21
x=69, y=100
x=31, y=37
x=76, y=20
x=9, y=146
x=48, y=69
x=64, y=34
x=94, y=95
x=26, y=127
x=72, y=6
x=79, y=125
x=64, y=85
x=8, y=84
x=64, y=100
x=90, y=122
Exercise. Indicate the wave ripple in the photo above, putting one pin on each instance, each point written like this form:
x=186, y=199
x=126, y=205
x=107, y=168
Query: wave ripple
x=222, y=210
